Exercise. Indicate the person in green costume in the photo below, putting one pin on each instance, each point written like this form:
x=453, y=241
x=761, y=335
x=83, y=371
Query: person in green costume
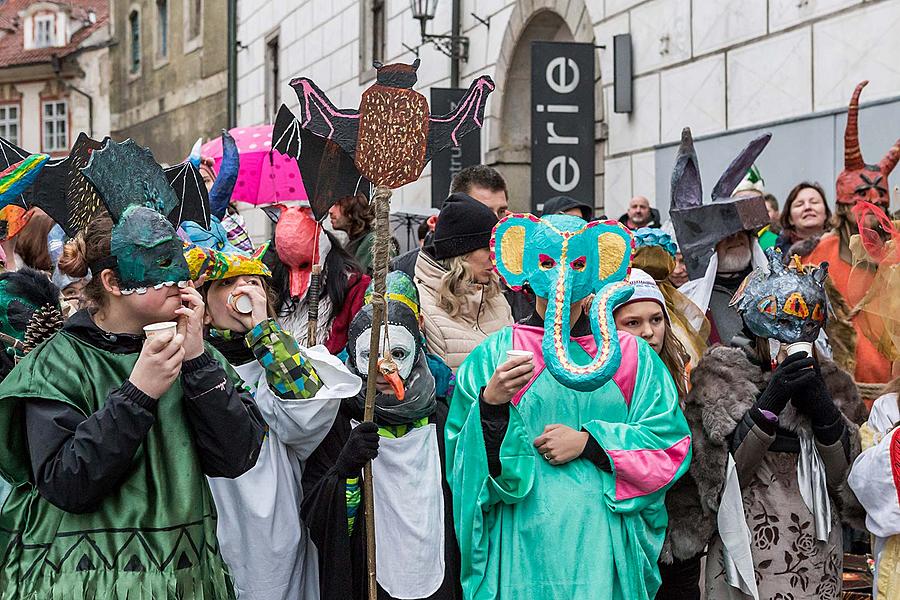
x=559, y=455
x=106, y=437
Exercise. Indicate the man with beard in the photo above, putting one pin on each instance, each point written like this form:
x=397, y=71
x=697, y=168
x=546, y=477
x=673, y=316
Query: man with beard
x=717, y=239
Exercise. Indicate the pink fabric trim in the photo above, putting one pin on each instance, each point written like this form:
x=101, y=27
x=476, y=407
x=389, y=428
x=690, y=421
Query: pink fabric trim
x=642, y=472
x=527, y=337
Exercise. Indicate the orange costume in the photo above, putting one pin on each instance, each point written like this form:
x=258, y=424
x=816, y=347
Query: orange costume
x=858, y=182
x=871, y=366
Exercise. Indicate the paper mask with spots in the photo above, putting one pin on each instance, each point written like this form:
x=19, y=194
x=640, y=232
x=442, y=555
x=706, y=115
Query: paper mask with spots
x=784, y=302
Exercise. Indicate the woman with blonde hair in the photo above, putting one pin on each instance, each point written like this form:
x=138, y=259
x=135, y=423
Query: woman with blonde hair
x=460, y=293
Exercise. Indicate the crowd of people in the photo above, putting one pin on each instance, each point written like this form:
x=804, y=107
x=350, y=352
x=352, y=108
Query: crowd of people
x=698, y=404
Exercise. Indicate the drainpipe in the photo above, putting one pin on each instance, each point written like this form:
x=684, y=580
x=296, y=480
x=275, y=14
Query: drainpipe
x=454, y=35
x=56, y=63
x=232, y=63
x=90, y=107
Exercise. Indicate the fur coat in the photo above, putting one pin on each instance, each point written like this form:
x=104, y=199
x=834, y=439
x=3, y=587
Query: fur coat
x=725, y=385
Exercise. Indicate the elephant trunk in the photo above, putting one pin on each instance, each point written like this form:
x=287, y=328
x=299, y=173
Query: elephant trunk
x=555, y=345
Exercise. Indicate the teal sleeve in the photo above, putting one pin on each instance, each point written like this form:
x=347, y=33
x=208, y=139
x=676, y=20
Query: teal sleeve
x=651, y=449
x=475, y=492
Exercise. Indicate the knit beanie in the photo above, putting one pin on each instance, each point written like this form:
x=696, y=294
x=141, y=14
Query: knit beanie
x=463, y=225
x=645, y=288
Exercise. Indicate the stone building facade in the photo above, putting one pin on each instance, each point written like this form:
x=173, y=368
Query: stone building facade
x=170, y=79
x=726, y=68
x=54, y=72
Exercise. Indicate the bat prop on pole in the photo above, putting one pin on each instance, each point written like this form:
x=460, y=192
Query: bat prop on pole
x=390, y=138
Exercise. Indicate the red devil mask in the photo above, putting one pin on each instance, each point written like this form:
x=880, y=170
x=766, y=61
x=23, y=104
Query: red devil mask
x=860, y=181
x=299, y=242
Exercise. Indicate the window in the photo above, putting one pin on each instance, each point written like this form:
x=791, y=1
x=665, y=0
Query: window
x=272, y=79
x=43, y=31
x=195, y=18
x=372, y=38
x=9, y=123
x=134, y=27
x=377, y=30
x=162, y=29
x=56, y=126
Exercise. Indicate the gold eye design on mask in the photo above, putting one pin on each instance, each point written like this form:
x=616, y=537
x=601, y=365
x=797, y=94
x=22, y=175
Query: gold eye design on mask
x=818, y=314
x=796, y=306
x=768, y=305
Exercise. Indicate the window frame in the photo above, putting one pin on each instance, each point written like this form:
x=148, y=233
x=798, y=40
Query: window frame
x=368, y=37
x=45, y=120
x=272, y=93
x=192, y=43
x=50, y=19
x=162, y=40
x=129, y=64
x=6, y=105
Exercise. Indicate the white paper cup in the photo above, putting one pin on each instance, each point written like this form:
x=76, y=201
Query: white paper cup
x=155, y=329
x=241, y=303
x=511, y=354
x=799, y=347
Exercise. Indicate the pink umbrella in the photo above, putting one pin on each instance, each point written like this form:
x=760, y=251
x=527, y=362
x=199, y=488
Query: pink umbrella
x=265, y=176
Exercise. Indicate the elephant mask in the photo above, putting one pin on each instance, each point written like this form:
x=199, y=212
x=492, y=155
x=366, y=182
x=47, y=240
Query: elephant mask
x=564, y=259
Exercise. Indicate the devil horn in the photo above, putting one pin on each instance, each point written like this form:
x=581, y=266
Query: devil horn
x=852, y=154
x=890, y=159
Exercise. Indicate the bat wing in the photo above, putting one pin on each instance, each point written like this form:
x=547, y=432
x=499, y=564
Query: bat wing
x=64, y=193
x=286, y=133
x=320, y=116
x=328, y=172
x=193, y=197
x=447, y=130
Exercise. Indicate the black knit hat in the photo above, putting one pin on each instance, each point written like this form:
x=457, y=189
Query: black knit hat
x=463, y=225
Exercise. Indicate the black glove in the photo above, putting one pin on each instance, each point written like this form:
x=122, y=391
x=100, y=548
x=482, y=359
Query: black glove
x=361, y=447
x=794, y=372
x=814, y=400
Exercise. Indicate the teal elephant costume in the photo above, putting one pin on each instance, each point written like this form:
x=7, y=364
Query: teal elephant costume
x=592, y=527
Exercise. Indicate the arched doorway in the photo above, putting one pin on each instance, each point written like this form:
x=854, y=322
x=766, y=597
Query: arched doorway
x=509, y=144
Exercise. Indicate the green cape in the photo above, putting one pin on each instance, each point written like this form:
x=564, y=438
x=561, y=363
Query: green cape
x=154, y=538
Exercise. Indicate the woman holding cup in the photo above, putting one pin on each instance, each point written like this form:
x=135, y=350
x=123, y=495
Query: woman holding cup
x=109, y=435
x=776, y=431
x=298, y=391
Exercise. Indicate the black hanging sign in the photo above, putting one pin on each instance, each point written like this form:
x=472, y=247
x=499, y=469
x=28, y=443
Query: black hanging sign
x=562, y=122
x=450, y=161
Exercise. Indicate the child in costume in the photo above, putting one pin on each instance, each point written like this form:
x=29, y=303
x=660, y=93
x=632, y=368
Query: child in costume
x=559, y=458
x=645, y=315
x=875, y=480
x=773, y=446
x=416, y=550
x=110, y=498
x=262, y=537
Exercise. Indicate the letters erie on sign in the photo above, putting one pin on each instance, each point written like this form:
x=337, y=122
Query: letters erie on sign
x=562, y=121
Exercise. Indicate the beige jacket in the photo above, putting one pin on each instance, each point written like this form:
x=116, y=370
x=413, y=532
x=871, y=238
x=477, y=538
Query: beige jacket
x=452, y=338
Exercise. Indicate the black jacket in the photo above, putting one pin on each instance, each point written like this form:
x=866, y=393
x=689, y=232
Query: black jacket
x=78, y=461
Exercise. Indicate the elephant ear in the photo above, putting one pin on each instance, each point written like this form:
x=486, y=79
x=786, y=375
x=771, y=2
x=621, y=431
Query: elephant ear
x=615, y=247
x=508, y=248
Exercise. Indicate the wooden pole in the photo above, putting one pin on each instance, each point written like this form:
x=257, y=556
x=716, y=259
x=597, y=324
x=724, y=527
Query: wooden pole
x=381, y=201
x=313, y=303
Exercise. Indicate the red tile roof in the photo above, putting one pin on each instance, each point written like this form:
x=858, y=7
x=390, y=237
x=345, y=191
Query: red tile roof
x=12, y=39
